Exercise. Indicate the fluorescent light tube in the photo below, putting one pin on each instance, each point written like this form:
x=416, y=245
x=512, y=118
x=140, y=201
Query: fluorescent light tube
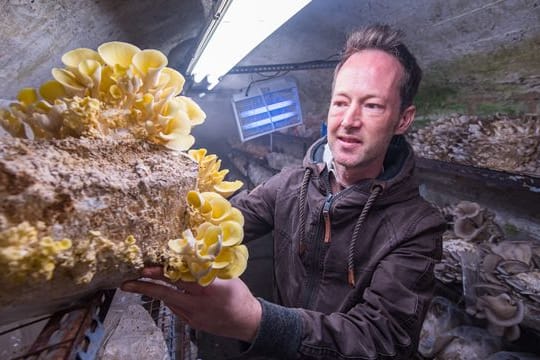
x=239, y=28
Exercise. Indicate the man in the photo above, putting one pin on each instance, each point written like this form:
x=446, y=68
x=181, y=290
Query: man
x=354, y=243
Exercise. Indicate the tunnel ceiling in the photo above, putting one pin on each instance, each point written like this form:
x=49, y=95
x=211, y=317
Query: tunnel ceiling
x=34, y=34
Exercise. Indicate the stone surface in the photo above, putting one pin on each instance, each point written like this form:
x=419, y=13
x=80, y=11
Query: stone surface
x=35, y=34
x=117, y=187
x=130, y=331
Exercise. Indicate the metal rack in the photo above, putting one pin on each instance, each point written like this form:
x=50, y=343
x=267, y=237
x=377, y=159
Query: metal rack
x=78, y=332
x=74, y=333
x=165, y=320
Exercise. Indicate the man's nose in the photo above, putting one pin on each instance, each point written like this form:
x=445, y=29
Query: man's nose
x=352, y=117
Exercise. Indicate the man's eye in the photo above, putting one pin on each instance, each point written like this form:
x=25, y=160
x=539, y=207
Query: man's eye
x=374, y=106
x=340, y=103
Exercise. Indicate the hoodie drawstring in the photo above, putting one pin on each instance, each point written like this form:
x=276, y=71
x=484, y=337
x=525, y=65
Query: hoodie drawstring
x=375, y=191
x=303, y=191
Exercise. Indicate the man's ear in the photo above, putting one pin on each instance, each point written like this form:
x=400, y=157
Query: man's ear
x=405, y=120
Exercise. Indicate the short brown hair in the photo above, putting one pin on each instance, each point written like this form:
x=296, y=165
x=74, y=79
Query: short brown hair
x=384, y=38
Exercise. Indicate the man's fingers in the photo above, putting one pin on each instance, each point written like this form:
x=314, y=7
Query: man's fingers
x=171, y=297
x=180, y=312
x=154, y=272
x=157, y=291
x=192, y=288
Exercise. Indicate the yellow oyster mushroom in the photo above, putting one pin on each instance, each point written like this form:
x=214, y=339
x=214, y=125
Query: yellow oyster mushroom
x=90, y=74
x=208, y=196
x=203, y=228
x=115, y=92
x=236, y=216
x=199, y=202
x=170, y=78
x=212, y=205
x=210, y=177
x=222, y=209
x=27, y=96
x=74, y=57
x=209, y=243
x=208, y=278
x=69, y=81
x=147, y=102
x=232, y=233
x=47, y=246
x=199, y=269
x=175, y=108
x=117, y=53
x=210, y=163
x=178, y=142
x=195, y=113
x=52, y=90
x=43, y=106
x=162, y=95
x=219, y=176
x=48, y=269
x=147, y=60
x=173, y=124
x=133, y=254
x=130, y=240
x=12, y=124
x=227, y=188
x=63, y=244
x=180, y=246
x=12, y=253
x=107, y=81
x=177, y=128
x=149, y=64
x=198, y=154
x=144, y=108
x=225, y=258
x=176, y=269
x=136, y=92
x=236, y=257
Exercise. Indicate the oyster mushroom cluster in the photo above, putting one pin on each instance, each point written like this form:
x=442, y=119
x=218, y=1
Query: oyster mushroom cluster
x=500, y=278
x=498, y=142
x=449, y=333
x=470, y=225
x=122, y=92
x=211, y=246
x=117, y=88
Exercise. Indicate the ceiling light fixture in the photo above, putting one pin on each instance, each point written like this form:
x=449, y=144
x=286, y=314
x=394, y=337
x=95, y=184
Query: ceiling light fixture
x=237, y=28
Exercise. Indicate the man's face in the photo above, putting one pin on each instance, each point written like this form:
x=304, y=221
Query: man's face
x=364, y=111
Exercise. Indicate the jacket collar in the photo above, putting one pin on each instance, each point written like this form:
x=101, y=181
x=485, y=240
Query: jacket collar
x=398, y=163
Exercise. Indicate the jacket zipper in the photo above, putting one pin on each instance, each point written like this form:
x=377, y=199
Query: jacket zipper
x=319, y=253
x=326, y=217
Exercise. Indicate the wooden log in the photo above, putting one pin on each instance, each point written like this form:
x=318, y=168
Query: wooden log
x=118, y=201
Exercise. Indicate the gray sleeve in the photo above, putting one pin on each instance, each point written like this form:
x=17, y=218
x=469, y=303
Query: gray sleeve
x=279, y=334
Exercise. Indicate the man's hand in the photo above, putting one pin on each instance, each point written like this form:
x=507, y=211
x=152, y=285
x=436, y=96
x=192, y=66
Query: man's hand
x=223, y=308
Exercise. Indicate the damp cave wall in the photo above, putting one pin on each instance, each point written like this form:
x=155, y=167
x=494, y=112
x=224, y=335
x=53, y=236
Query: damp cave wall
x=479, y=57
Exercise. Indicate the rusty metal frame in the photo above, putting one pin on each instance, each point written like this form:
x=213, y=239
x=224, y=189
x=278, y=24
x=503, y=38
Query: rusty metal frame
x=75, y=333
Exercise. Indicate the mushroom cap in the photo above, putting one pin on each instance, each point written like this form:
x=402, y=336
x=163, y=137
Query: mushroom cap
x=514, y=250
x=501, y=310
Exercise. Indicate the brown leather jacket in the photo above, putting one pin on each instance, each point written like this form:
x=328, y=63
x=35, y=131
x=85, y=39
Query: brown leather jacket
x=354, y=270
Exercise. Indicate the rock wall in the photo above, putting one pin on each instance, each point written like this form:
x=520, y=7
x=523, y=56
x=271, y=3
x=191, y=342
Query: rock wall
x=34, y=33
